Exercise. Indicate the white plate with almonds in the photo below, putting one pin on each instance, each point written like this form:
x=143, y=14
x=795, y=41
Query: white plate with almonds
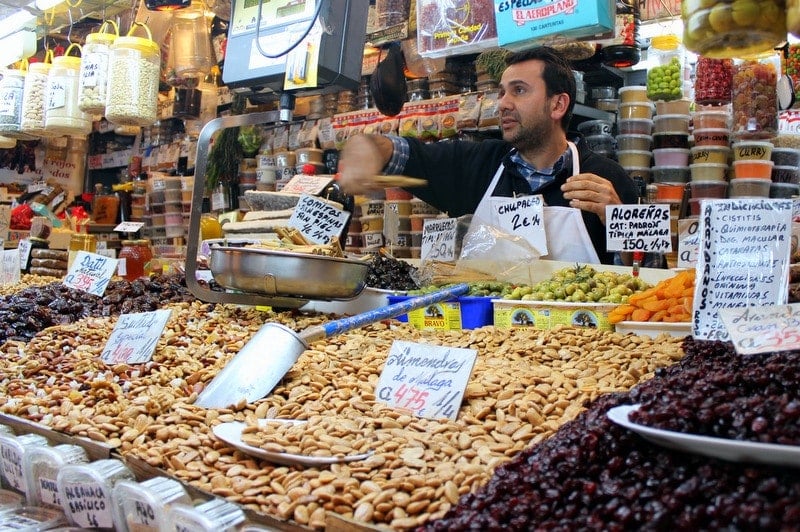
x=240, y=435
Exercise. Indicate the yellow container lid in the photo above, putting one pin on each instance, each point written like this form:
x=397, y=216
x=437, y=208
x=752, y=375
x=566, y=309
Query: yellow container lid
x=39, y=67
x=106, y=38
x=67, y=61
x=665, y=42
x=137, y=43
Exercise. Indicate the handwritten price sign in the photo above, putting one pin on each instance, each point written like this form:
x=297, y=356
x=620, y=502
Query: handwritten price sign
x=318, y=220
x=427, y=381
x=763, y=329
x=439, y=239
x=90, y=273
x=135, y=337
x=638, y=228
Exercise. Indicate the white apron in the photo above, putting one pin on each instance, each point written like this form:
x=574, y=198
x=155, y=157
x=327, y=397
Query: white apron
x=567, y=237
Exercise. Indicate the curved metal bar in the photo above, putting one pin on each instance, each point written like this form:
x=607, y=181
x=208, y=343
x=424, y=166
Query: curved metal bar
x=193, y=239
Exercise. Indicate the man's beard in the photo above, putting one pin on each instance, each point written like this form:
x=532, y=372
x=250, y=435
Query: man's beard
x=530, y=137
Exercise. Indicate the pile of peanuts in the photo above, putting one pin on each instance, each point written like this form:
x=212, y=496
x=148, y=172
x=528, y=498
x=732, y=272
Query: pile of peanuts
x=525, y=384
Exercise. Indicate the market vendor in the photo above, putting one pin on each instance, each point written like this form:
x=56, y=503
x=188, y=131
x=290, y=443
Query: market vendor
x=537, y=96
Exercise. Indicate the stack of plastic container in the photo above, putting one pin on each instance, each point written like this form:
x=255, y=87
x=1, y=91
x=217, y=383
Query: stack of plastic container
x=752, y=169
x=670, y=170
x=785, y=173
x=635, y=130
x=420, y=211
x=710, y=154
x=597, y=134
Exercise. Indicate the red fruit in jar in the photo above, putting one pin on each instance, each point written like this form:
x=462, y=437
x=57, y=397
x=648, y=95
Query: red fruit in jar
x=309, y=169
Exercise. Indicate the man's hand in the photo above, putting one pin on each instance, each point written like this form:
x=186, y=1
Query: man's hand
x=590, y=192
x=361, y=161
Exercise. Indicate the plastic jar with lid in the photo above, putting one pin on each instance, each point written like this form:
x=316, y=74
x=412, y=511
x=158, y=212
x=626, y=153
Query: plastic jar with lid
x=622, y=50
x=133, y=77
x=131, y=260
x=726, y=29
x=93, y=85
x=62, y=114
x=713, y=80
x=42, y=464
x=34, y=99
x=755, y=96
x=94, y=482
x=12, y=86
x=665, y=78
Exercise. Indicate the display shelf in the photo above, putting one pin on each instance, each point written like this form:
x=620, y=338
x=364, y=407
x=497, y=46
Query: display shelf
x=586, y=111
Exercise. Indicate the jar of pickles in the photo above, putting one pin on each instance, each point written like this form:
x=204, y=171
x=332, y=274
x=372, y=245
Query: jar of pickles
x=754, y=95
x=713, y=80
x=133, y=76
x=62, y=114
x=34, y=98
x=94, y=70
x=665, y=78
x=733, y=28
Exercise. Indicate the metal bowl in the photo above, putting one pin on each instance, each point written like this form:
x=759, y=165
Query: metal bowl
x=287, y=274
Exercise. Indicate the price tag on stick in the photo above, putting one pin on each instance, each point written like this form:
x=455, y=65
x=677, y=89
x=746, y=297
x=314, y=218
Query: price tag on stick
x=638, y=228
x=426, y=380
x=439, y=239
x=763, y=329
x=135, y=337
x=90, y=272
x=318, y=220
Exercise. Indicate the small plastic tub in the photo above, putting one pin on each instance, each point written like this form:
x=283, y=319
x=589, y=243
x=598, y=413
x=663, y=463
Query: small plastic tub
x=416, y=239
x=634, y=142
x=670, y=174
x=640, y=172
x=662, y=123
x=633, y=94
x=712, y=137
x=420, y=207
x=371, y=223
x=749, y=188
x=712, y=120
x=595, y=127
x=401, y=207
x=670, y=192
x=671, y=139
x=708, y=189
x=786, y=174
x=601, y=143
x=633, y=158
x=752, y=150
x=785, y=156
x=635, y=110
x=708, y=171
x=396, y=193
x=694, y=206
x=710, y=154
x=753, y=169
x=671, y=157
x=673, y=107
x=607, y=104
x=635, y=126
x=783, y=190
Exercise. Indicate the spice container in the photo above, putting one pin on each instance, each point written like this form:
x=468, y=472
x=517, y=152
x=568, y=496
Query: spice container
x=62, y=114
x=665, y=79
x=80, y=242
x=34, y=98
x=41, y=466
x=142, y=506
x=31, y=518
x=720, y=29
x=755, y=99
x=12, y=456
x=216, y=515
x=10, y=499
x=93, y=85
x=713, y=81
x=133, y=76
x=86, y=491
x=12, y=88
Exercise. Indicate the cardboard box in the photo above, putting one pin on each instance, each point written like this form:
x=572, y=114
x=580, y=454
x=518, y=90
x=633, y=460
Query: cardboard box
x=510, y=313
x=466, y=312
x=523, y=24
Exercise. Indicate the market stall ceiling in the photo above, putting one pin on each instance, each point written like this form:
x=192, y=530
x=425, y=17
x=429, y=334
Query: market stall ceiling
x=58, y=19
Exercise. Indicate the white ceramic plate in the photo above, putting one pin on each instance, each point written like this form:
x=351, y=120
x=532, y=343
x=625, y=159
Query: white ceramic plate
x=654, y=328
x=231, y=433
x=732, y=450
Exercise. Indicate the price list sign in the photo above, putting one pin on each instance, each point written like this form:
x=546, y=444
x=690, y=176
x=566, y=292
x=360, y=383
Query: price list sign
x=90, y=272
x=318, y=220
x=10, y=266
x=135, y=337
x=523, y=217
x=743, y=260
x=688, y=242
x=425, y=380
x=763, y=329
x=439, y=239
x=638, y=228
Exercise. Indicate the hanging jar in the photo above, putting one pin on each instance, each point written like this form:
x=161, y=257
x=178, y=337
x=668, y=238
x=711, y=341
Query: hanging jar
x=12, y=87
x=755, y=96
x=62, y=115
x=622, y=50
x=725, y=29
x=34, y=96
x=133, y=73
x=665, y=77
x=94, y=69
x=713, y=81
x=190, y=54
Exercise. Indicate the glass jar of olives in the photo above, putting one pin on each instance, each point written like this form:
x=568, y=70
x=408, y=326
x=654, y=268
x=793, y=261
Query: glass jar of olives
x=755, y=96
x=665, y=78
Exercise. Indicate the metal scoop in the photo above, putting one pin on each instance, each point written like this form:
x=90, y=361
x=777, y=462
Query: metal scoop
x=272, y=351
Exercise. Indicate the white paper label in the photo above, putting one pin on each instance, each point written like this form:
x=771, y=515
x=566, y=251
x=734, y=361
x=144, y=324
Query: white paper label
x=56, y=95
x=688, y=242
x=134, y=337
x=93, y=69
x=12, y=467
x=90, y=272
x=763, y=329
x=8, y=102
x=48, y=491
x=638, y=228
x=88, y=504
x=9, y=274
x=317, y=220
x=439, y=239
x=524, y=217
x=24, y=248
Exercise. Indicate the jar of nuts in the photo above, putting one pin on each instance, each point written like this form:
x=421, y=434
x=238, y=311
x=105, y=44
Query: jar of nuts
x=62, y=114
x=133, y=76
x=34, y=99
x=94, y=71
x=11, y=89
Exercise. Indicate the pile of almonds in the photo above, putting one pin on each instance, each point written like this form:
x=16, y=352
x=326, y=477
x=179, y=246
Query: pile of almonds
x=524, y=386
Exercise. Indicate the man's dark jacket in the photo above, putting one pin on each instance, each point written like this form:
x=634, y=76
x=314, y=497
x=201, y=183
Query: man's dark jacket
x=458, y=174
